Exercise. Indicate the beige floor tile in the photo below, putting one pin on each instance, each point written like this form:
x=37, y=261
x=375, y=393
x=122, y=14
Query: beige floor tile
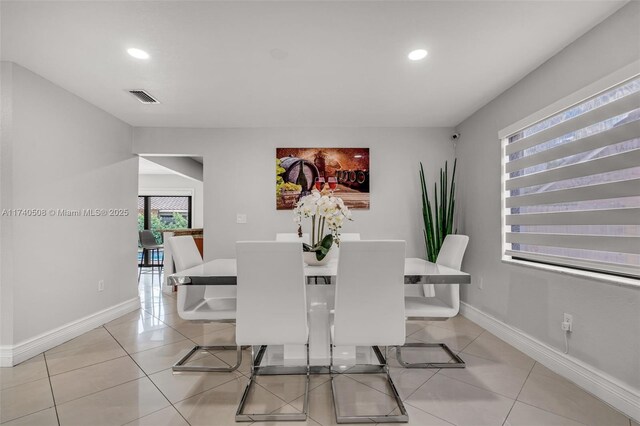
x=320, y=405
x=539, y=369
x=459, y=324
x=24, y=399
x=27, y=371
x=217, y=406
x=84, y=381
x=193, y=329
x=166, y=417
x=143, y=324
x=435, y=334
x=553, y=393
x=131, y=316
x=460, y=403
x=355, y=399
x=526, y=415
x=406, y=380
x=149, y=339
x=289, y=388
x=41, y=418
x=114, y=406
x=163, y=357
x=413, y=326
x=420, y=418
x=226, y=336
x=173, y=319
x=82, y=356
x=489, y=346
x=160, y=308
x=491, y=375
x=177, y=386
x=286, y=410
x=94, y=337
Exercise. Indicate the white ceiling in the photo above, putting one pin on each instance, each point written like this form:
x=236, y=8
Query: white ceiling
x=250, y=64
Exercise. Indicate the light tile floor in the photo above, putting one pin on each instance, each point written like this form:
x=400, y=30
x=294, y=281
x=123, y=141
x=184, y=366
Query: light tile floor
x=121, y=374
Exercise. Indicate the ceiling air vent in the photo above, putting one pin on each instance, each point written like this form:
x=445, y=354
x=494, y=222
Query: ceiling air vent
x=144, y=97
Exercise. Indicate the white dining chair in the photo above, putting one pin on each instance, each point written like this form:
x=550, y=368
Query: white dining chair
x=445, y=304
x=272, y=310
x=345, y=236
x=369, y=311
x=196, y=303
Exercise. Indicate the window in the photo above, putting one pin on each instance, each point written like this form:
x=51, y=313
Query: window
x=163, y=212
x=572, y=185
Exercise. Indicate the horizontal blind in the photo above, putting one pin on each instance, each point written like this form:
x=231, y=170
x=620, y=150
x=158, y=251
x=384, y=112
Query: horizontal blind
x=572, y=185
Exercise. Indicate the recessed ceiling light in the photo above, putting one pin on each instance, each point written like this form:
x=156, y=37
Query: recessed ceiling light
x=416, y=55
x=137, y=53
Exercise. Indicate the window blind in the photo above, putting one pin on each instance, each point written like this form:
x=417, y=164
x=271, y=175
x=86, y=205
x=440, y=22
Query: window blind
x=572, y=185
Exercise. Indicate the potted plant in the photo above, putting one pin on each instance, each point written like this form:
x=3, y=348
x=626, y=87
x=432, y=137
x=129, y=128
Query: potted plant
x=438, y=221
x=327, y=214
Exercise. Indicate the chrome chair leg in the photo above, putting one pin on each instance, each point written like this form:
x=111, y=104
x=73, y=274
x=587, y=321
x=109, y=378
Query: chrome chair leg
x=266, y=417
x=403, y=417
x=180, y=365
x=457, y=361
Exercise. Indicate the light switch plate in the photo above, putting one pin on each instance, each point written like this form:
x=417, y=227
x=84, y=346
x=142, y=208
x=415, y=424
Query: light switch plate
x=241, y=218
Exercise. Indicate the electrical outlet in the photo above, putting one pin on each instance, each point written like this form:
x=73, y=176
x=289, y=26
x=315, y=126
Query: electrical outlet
x=101, y=285
x=241, y=218
x=567, y=322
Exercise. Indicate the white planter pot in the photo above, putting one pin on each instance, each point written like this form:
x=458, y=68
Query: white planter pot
x=311, y=260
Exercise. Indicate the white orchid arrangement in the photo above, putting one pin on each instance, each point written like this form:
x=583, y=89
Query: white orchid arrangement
x=324, y=211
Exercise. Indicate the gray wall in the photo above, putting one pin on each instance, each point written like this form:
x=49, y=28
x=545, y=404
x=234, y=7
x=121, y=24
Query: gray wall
x=62, y=152
x=239, y=177
x=606, y=317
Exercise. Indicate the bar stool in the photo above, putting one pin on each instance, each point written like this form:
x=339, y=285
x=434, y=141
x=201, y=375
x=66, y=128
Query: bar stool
x=149, y=248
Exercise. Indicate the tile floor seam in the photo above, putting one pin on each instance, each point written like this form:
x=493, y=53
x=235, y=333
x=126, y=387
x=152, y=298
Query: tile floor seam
x=23, y=383
x=281, y=399
x=98, y=391
x=580, y=388
x=550, y=412
x=153, y=412
x=89, y=365
x=155, y=347
x=443, y=373
x=477, y=387
x=431, y=414
x=195, y=394
x=152, y=382
x=519, y=392
x=298, y=396
x=473, y=340
x=425, y=382
x=30, y=414
x=53, y=396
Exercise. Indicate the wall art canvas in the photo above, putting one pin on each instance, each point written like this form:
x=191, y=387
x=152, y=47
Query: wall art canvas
x=341, y=171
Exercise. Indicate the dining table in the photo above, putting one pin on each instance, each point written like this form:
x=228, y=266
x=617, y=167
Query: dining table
x=320, y=291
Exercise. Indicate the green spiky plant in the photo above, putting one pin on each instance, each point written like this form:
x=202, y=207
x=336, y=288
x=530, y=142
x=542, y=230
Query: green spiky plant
x=436, y=230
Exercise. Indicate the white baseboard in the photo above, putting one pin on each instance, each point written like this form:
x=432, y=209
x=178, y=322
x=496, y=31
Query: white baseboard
x=12, y=355
x=598, y=383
